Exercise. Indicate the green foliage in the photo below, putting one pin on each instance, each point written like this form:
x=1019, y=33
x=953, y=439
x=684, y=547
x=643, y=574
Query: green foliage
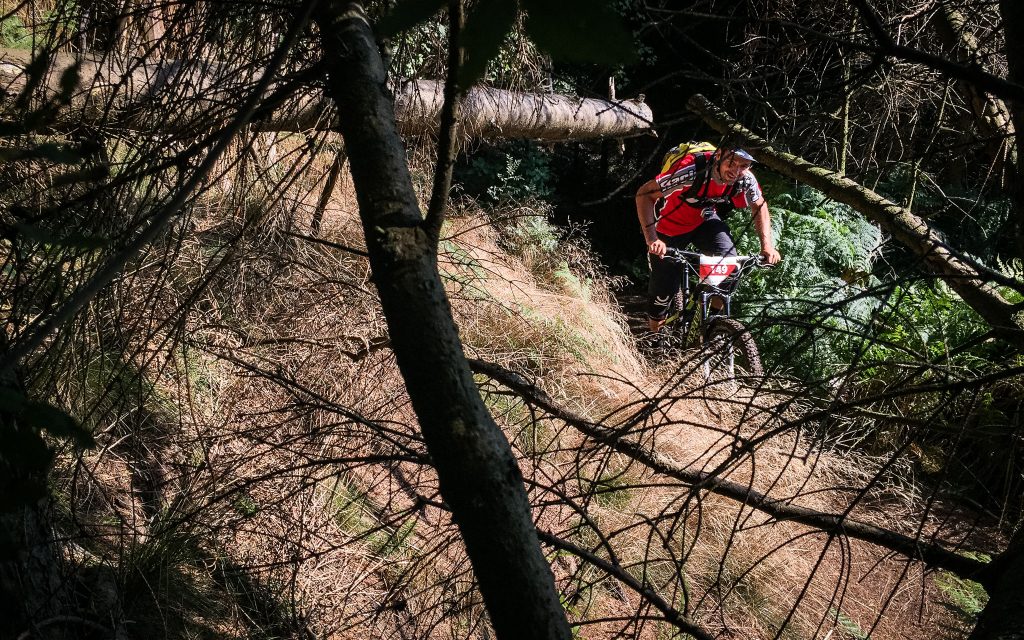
x=165, y=584
x=555, y=338
x=14, y=34
x=927, y=320
x=532, y=436
x=558, y=258
x=610, y=490
x=571, y=283
x=105, y=385
x=461, y=270
x=407, y=14
x=810, y=308
x=419, y=51
x=847, y=626
x=826, y=306
x=535, y=438
x=597, y=33
x=749, y=588
x=979, y=223
x=1011, y=268
x=855, y=322
x=508, y=172
x=825, y=243
x=246, y=505
x=965, y=598
x=487, y=26
x=533, y=237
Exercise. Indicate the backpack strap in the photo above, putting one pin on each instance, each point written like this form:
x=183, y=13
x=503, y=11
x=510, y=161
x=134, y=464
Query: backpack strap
x=696, y=193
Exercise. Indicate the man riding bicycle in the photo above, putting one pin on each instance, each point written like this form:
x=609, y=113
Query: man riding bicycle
x=694, y=189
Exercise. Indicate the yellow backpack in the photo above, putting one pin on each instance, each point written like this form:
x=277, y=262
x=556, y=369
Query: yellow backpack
x=694, y=195
x=682, y=149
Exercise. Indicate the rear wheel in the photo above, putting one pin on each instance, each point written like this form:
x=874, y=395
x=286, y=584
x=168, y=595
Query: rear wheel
x=730, y=350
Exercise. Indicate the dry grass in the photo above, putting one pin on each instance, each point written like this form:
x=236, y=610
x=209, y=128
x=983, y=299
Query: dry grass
x=260, y=472
x=276, y=469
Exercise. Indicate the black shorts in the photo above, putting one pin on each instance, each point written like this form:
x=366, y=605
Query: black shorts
x=710, y=238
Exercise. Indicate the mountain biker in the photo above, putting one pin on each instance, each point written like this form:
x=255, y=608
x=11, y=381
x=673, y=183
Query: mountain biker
x=693, y=191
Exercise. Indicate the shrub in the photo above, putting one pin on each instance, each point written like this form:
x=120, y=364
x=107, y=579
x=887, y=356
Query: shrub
x=14, y=35
x=508, y=172
x=808, y=310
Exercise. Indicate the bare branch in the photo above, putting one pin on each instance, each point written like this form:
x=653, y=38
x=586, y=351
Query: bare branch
x=913, y=548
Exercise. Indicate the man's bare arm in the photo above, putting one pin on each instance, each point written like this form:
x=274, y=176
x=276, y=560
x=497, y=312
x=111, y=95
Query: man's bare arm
x=763, y=225
x=647, y=197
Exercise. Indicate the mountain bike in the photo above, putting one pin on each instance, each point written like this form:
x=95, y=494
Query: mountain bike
x=700, y=311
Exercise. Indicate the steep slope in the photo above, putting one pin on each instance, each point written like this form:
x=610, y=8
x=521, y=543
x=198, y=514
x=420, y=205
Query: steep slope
x=261, y=473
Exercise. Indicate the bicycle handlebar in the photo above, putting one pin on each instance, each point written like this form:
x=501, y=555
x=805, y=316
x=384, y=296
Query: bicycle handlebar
x=689, y=257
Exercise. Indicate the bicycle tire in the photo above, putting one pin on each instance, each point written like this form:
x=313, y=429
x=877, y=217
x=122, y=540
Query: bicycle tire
x=729, y=346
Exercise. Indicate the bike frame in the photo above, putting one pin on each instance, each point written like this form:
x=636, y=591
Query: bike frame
x=691, y=263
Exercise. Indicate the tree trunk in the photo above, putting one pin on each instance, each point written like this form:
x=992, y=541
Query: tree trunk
x=478, y=475
x=971, y=285
x=992, y=117
x=1003, y=616
x=30, y=576
x=1013, y=34
x=134, y=93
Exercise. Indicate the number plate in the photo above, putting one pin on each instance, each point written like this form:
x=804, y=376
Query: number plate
x=714, y=269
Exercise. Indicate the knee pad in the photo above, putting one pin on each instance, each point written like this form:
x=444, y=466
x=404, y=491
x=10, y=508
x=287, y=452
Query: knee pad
x=657, y=307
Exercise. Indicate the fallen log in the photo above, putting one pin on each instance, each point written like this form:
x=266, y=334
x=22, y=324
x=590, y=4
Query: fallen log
x=489, y=112
x=182, y=96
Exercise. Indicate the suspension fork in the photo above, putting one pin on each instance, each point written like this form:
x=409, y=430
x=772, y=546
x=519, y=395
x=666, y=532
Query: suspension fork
x=687, y=303
x=708, y=296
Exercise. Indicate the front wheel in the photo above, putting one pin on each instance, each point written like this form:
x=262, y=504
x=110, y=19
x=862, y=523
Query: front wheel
x=730, y=350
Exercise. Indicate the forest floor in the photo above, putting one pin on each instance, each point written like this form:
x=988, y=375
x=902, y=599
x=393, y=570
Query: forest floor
x=273, y=481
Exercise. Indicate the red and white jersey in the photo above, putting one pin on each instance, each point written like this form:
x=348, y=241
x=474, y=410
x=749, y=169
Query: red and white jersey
x=684, y=211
